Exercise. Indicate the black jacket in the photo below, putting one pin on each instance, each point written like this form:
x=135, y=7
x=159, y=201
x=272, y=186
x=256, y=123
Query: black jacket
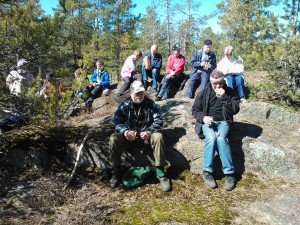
x=230, y=105
x=153, y=119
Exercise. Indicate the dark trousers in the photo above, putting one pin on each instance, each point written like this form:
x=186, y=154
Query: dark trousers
x=94, y=93
x=128, y=81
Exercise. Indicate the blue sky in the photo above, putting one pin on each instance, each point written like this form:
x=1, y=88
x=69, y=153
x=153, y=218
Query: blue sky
x=141, y=5
x=205, y=8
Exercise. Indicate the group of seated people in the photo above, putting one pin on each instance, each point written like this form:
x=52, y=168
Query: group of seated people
x=203, y=63
x=138, y=120
x=151, y=67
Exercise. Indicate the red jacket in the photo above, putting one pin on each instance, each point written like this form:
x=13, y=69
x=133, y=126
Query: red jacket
x=175, y=64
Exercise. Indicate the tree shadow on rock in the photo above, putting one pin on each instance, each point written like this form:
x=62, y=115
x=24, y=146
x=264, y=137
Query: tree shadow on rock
x=177, y=160
x=238, y=131
x=167, y=109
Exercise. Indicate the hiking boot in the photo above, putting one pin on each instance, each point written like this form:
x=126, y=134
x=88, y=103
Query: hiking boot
x=164, y=183
x=209, y=180
x=114, y=181
x=229, y=182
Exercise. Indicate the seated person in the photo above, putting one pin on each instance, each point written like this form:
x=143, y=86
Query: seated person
x=174, y=74
x=130, y=71
x=203, y=62
x=100, y=83
x=138, y=122
x=214, y=108
x=52, y=84
x=232, y=66
x=151, y=67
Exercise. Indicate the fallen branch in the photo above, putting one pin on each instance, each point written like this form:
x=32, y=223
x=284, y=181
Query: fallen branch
x=78, y=157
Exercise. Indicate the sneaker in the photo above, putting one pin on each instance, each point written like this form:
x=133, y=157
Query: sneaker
x=114, y=181
x=229, y=182
x=164, y=183
x=158, y=99
x=209, y=180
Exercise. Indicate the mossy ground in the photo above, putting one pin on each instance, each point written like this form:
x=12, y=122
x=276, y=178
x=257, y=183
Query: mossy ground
x=190, y=202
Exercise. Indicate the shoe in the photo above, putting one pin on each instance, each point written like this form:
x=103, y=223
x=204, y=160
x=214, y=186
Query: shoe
x=158, y=99
x=243, y=100
x=209, y=180
x=114, y=181
x=229, y=182
x=164, y=183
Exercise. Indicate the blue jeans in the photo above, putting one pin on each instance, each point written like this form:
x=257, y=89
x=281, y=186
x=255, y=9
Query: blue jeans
x=169, y=85
x=216, y=138
x=195, y=79
x=154, y=73
x=236, y=80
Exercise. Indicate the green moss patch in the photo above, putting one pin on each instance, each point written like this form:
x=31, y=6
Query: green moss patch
x=190, y=201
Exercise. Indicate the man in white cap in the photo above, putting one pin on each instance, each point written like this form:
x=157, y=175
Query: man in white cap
x=138, y=121
x=213, y=110
x=19, y=78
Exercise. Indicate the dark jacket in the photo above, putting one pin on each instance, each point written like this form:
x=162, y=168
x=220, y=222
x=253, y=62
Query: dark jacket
x=196, y=60
x=230, y=105
x=156, y=61
x=123, y=116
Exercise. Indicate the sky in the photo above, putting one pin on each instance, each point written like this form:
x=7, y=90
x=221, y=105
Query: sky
x=141, y=5
x=205, y=8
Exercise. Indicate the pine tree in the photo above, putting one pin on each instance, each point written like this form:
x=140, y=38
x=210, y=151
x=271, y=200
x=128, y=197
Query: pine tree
x=251, y=29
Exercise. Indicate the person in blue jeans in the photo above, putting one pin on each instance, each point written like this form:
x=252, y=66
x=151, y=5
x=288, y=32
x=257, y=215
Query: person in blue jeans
x=213, y=110
x=151, y=67
x=233, y=68
x=203, y=63
x=100, y=83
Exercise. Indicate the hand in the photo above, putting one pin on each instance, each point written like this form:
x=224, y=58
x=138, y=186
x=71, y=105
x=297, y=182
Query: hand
x=130, y=135
x=145, y=135
x=208, y=120
x=168, y=76
x=220, y=92
x=95, y=84
x=202, y=63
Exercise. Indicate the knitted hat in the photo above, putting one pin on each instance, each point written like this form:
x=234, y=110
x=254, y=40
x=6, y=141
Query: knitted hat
x=208, y=42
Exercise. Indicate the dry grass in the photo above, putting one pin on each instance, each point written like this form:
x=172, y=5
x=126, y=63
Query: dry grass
x=91, y=201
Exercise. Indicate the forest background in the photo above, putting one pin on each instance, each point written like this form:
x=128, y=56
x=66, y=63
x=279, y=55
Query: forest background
x=81, y=31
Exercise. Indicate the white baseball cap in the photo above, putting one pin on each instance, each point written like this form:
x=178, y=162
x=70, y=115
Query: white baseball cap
x=137, y=86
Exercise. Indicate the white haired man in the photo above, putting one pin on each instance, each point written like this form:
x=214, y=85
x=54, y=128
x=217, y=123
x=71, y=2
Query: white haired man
x=138, y=121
